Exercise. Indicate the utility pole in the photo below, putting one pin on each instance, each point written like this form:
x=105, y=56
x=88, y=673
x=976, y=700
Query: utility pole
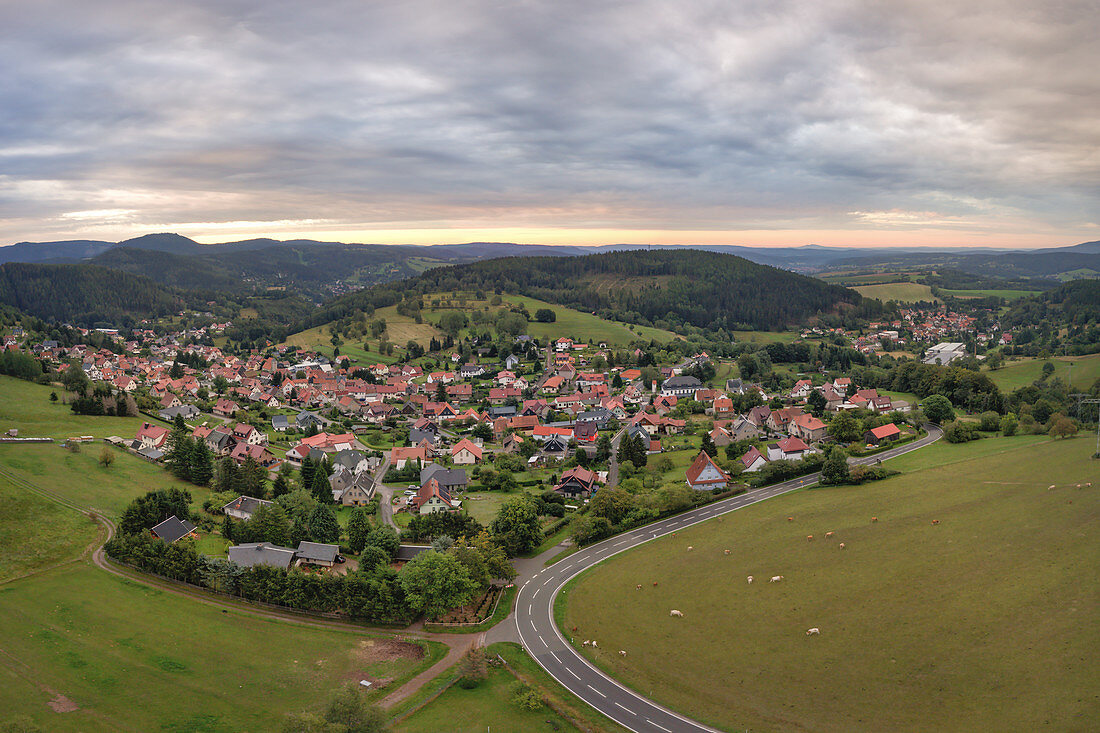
x=1081, y=400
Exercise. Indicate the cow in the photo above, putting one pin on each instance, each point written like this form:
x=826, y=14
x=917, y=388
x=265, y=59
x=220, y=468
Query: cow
x=725, y=552
x=813, y=632
x=655, y=584
x=874, y=519
x=750, y=579
x=776, y=579
x=622, y=653
x=639, y=586
x=594, y=644
x=935, y=521
x=587, y=642
x=810, y=538
x=790, y=519
x=677, y=614
x=690, y=548
x=828, y=535
x=841, y=545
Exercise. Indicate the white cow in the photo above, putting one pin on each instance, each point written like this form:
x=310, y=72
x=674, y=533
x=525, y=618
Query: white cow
x=677, y=614
x=813, y=632
x=622, y=653
x=750, y=579
x=776, y=579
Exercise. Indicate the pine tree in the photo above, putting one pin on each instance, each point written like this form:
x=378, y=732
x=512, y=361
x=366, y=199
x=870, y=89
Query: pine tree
x=227, y=528
x=252, y=478
x=708, y=446
x=321, y=488
x=201, y=466
x=323, y=526
x=280, y=487
x=178, y=458
x=358, y=529
x=308, y=469
x=225, y=476
x=603, y=448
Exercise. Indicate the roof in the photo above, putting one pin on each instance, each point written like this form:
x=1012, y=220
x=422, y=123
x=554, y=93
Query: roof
x=465, y=444
x=701, y=462
x=792, y=445
x=445, y=476
x=252, y=554
x=681, y=382
x=751, y=456
x=246, y=504
x=317, y=551
x=172, y=529
x=885, y=431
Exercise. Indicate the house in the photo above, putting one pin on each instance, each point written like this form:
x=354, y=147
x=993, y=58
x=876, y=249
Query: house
x=433, y=498
x=151, y=436
x=170, y=400
x=882, y=434
x=225, y=408
x=511, y=362
x=450, y=479
x=305, y=419
x=220, y=442
x=353, y=461
x=790, y=449
x=703, y=474
x=577, y=482
x=778, y=420
x=260, y=454
x=469, y=371
x=173, y=529
x=416, y=436
x=722, y=407
x=399, y=456
x=245, y=433
x=585, y=432
x=315, y=553
x=512, y=443
x=945, y=353
x=735, y=386
x=742, y=429
x=680, y=386
x=599, y=416
x=753, y=460
x=252, y=554
x=808, y=427
x=543, y=433
x=280, y=423
x=168, y=414
x=465, y=452
x=720, y=437
x=759, y=415
x=243, y=507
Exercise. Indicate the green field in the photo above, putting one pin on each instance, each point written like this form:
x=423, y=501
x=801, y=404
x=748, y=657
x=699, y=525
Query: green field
x=898, y=292
x=585, y=326
x=132, y=657
x=1016, y=374
x=766, y=337
x=27, y=406
x=36, y=533
x=985, y=621
x=1006, y=294
x=79, y=478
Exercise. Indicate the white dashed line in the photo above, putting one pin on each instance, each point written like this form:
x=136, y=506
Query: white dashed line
x=555, y=656
x=657, y=726
x=596, y=691
x=625, y=708
x=571, y=672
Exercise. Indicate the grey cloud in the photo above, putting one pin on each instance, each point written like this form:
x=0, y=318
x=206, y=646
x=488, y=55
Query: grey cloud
x=710, y=114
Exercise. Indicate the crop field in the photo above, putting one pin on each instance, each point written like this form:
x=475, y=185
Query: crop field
x=119, y=655
x=899, y=292
x=1016, y=374
x=983, y=621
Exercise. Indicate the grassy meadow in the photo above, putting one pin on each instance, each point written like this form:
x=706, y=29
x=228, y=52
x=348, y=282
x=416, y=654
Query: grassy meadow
x=27, y=406
x=899, y=292
x=134, y=657
x=1016, y=374
x=36, y=533
x=1000, y=293
x=985, y=621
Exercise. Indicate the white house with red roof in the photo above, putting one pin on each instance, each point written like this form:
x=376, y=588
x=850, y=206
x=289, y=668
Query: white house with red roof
x=151, y=436
x=704, y=474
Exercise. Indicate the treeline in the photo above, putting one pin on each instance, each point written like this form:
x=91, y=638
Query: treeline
x=84, y=294
x=667, y=288
x=1065, y=319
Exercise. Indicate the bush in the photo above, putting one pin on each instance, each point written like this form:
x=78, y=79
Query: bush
x=472, y=669
x=990, y=422
x=960, y=432
x=522, y=695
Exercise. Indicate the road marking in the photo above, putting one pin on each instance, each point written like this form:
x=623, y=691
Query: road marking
x=536, y=595
x=529, y=609
x=571, y=672
x=594, y=689
x=657, y=726
x=625, y=708
x=543, y=641
x=555, y=656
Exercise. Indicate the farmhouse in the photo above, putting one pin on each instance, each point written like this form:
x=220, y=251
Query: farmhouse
x=703, y=474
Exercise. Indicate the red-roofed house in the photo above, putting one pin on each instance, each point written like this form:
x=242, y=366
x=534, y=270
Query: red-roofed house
x=464, y=452
x=151, y=436
x=753, y=460
x=807, y=427
x=882, y=434
x=790, y=449
x=703, y=474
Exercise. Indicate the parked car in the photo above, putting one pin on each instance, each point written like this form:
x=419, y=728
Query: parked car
x=410, y=492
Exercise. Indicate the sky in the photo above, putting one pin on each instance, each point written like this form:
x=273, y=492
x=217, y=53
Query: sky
x=770, y=122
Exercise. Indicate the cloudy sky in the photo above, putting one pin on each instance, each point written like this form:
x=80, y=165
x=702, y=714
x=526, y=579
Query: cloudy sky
x=973, y=122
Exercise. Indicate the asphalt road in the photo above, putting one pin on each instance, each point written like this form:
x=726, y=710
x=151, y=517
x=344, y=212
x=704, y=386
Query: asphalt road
x=534, y=615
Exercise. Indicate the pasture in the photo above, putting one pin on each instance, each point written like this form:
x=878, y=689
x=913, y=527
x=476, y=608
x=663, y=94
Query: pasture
x=999, y=293
x=984, y=621
x=1021, y=373
x=908, y=292
x=27, y=406
x=124, y=656
x=36, y=532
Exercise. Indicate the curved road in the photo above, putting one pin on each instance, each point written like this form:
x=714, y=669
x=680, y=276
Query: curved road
x=534, y=614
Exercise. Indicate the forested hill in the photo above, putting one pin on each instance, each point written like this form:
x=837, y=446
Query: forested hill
x=672, y=288
x=83, y=294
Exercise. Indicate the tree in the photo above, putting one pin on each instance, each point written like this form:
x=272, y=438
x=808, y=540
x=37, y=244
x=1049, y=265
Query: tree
x=938, y=409
x=613, y=504
x=990, y=422
x=175, y=371
x=280, y=486
x=74, y=379
x=510, y=325
x=472, y=668
x=252, y=478
x=545, y=315
x=452, y=322
x=225, y=476
x=321, y=488
x=202, y=463
x=1009, y=424
x=844, y=427
x=435, y=582
x=516, y=526
x=817, y=403
x=603, y=448
x=358, y=529
x=835, y=469
x=349, y=712
x=385, y=539
x=147, y=511
x=106, y=457
x=1061, y=426
x=306, y=473
x=708, y=446
x=270, y=523
x=581, y=456
x=323, y=526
